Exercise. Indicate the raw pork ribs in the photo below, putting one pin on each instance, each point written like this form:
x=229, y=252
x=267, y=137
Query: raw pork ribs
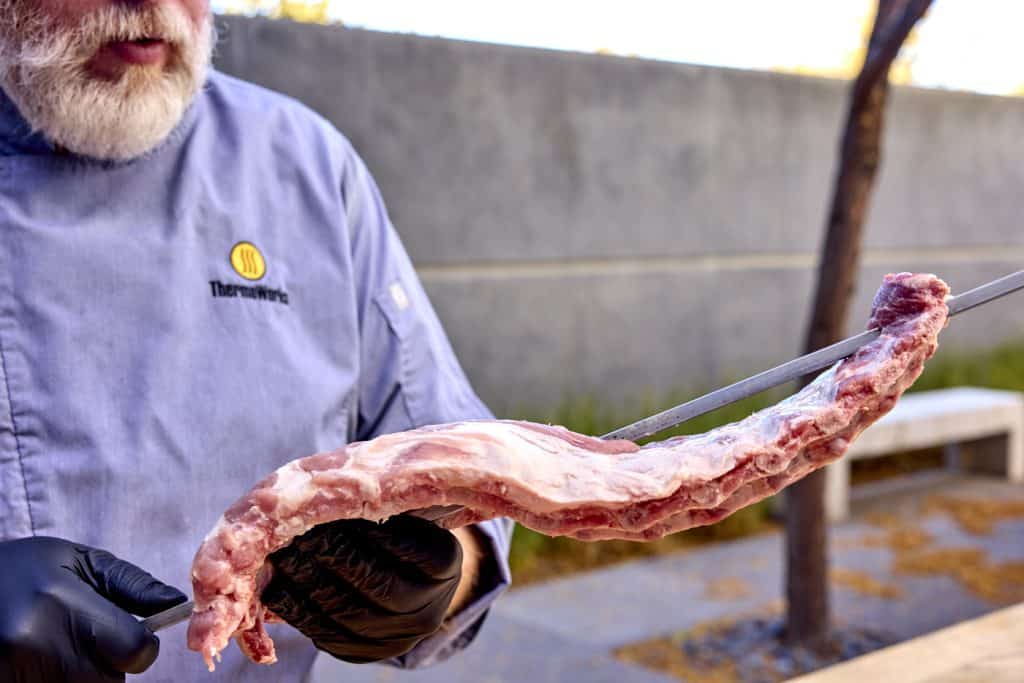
x=559, y=482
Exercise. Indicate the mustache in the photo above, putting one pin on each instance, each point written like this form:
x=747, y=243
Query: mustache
x=166, y=22
x=38, y=38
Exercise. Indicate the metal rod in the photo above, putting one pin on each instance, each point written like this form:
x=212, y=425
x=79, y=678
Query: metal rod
x=169, y=617
x=798, y=367
x=973, y=298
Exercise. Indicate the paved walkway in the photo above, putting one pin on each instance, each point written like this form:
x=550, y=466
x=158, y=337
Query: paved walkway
x=565, y=629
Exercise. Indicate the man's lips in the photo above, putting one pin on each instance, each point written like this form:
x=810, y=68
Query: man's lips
x=146, y=51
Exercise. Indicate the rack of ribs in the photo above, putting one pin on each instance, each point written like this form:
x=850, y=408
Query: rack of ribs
x=559, y=482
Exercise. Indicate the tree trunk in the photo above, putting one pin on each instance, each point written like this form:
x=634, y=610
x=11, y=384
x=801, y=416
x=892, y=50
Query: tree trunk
x=860, y=154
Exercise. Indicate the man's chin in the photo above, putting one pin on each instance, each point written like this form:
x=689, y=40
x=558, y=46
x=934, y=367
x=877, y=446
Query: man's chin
x=108, y=120
x=117, y=135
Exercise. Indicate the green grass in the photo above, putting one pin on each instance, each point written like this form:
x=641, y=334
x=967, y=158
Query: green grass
x=999, y=368
x=536, y=557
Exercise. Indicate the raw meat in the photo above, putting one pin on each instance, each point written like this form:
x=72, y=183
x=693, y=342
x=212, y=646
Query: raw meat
x=559, y=482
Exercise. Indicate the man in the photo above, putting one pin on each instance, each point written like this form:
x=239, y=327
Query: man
x=199, y=282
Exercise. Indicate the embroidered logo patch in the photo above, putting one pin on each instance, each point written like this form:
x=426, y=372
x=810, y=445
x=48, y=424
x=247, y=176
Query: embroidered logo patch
x=247, y=261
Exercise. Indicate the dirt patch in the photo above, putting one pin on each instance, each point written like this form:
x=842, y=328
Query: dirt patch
x=999, y=583
x=899, y=538
x=914, y=552
x=728, y=588
x=975, y=516
x=745, y=650
x=865, y=584
x=886, y=520
x=668, y=656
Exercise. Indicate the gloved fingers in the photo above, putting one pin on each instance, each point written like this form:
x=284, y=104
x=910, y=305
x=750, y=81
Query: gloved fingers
x=80, y=670
x=47, y=655
x=327, y=634
x=382, y=584
x=294, y=605
x=433, y=550
x=319, y=600
x=334, y=557
x=288, y=598
x=49, y=667
x=410, y=540
x=127, y=586
x=115, y=640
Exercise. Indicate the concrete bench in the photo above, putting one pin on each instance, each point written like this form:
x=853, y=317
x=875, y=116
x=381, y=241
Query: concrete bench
x=947, y=418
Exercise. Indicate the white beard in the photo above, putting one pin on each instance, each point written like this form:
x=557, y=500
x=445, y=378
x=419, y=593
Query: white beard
x=44, y=71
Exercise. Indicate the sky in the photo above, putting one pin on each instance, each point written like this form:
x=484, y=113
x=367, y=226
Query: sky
x=962, y=44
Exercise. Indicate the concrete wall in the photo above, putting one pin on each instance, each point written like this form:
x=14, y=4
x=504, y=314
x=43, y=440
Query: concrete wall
x=594, y=224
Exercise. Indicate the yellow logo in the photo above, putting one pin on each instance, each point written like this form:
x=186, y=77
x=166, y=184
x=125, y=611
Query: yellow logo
x=247, y=261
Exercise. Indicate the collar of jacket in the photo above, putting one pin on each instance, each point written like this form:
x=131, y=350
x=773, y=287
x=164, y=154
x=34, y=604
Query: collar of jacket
x=16, y=135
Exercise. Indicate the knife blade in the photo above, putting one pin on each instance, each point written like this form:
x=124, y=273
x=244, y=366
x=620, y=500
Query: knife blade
x=781, y=374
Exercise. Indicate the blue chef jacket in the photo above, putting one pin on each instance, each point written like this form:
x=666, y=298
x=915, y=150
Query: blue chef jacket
x=175, y=327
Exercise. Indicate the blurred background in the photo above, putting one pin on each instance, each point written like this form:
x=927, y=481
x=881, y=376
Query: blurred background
x=560, y=206
x=618, y=206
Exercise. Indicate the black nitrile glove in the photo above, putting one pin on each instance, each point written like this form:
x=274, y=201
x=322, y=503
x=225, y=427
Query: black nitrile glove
x=65, y=613
x=363, y=591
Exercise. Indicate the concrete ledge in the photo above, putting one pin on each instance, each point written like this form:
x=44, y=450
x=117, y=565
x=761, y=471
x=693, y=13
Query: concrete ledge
x=920, y=420
x=989, y=649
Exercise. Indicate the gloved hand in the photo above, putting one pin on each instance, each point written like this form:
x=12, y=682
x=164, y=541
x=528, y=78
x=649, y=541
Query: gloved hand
x=64, y=613
x=363, y=591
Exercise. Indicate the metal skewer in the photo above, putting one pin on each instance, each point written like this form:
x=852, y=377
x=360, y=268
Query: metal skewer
x=798, y=367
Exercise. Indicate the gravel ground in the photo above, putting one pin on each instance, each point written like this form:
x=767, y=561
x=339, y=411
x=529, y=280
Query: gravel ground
x=749, y=650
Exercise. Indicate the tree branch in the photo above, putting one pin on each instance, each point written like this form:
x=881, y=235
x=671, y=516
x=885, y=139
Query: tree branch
x=887, y=38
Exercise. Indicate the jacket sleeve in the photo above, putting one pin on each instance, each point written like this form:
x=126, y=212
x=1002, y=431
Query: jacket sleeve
x=409, y=377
